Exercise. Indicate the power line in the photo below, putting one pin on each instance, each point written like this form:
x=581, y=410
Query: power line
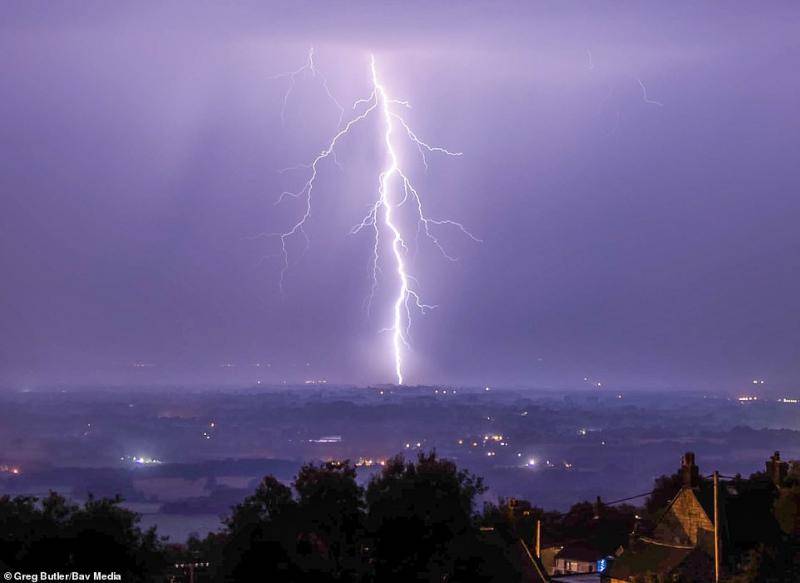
x=628, y=498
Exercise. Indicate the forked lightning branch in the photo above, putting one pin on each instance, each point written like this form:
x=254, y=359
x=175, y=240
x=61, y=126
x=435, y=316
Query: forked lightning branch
x=394, y=190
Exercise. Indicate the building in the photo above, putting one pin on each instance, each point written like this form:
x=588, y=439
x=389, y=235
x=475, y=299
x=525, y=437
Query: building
x=688, y=543
x=682, y=543
x=576, y=558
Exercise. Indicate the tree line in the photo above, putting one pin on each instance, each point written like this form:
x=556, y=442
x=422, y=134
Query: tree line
x=417, y=520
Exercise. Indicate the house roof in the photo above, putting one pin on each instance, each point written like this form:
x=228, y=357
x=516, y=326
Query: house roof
x=646, y=555
x=704, y=494
x=533, y=566
x=529, y=565
x=746, y=517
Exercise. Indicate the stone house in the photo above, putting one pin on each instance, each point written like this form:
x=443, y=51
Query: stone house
x=681, y=546
x=682, y=543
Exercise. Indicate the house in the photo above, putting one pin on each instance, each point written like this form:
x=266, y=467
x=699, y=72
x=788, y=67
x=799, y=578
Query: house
x=548, y=557
x=682, y=543
x=577, y=558
x=688, y=543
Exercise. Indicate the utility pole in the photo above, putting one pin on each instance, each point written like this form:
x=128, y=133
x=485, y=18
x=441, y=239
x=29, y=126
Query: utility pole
x=716, y=526
x=539, y=539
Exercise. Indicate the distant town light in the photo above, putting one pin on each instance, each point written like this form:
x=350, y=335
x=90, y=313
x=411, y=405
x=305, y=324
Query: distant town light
x=327, y=439
x=142, y=460
x=369, y=462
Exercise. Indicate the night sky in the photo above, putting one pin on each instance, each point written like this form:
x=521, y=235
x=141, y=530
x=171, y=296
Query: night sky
x=635, y=243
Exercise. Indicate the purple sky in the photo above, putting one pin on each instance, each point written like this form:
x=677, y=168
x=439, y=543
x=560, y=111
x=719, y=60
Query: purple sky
x=635, y=244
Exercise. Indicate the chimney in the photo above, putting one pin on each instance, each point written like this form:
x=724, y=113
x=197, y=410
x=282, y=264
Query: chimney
x=690, y=474
x=776, y=469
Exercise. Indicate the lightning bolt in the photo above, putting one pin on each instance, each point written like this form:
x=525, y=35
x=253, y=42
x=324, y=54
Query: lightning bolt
x=395, y=189
x=308, y=68
x=645, y=98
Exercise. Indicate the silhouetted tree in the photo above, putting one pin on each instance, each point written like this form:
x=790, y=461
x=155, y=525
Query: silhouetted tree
x=422, y=526
x=315, y=536
x=787, y=510
x=768, y=564
x=331, y=519
x=53, y=534
x=664, y=490
x=605, y=531
x=261, y=537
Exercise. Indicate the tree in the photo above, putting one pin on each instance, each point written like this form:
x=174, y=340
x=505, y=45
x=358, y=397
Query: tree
x=331, y=518
x=422, y=527
x=260, y=536
x=315, y=536
x=101, y=535
x=787, y=510
x=666, y=487
x=767, y=564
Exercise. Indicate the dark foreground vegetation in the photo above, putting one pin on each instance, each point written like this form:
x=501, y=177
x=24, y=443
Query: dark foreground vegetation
x=415, y=521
